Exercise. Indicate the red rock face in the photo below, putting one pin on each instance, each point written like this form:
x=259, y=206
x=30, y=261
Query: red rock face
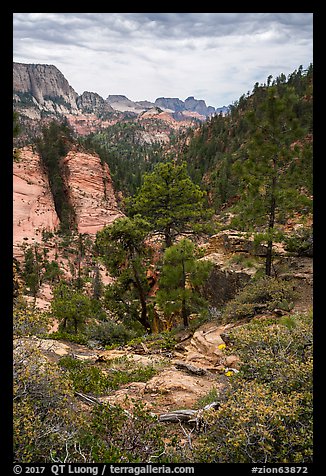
x=91, y=194
x=33, y=204
x=91, y=191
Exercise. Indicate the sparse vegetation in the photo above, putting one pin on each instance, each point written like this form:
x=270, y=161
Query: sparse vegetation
x=98, y=381
x=300, y=242
x=53, y=146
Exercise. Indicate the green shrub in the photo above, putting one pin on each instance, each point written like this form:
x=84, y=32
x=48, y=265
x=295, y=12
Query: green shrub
x=121, y=437
x=244, y=260
x=27, y=320
x=276, y=352
x=88, y=378
x=163, y=341
x=110, y=333
x=61, y=335
x=212, y=396
x=266, y=416
x=300, y=242
x=266, y=293
x=44, y=421
x=85, y=377
x=259, y=425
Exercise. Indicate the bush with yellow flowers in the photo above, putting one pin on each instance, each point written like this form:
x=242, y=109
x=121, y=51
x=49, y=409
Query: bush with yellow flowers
x=266, y=417
x=28, y=321
x=276, y=352
x=259, y=425
x=44, y=421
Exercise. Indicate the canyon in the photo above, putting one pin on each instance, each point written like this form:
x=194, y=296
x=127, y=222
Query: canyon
x=90, y=192
x=224, y=358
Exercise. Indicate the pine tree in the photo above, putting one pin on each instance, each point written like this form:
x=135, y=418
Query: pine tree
x=16, y=125
x=71, y=307
x=97, y=284
x=31, y=273
x=171, y=202
x=123, y=250
x=53, y=146
x=268, y=193
x=181, y=276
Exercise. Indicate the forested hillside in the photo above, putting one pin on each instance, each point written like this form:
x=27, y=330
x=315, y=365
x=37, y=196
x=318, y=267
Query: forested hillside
x=181, y=331
x=128, y=155
x=215, y=151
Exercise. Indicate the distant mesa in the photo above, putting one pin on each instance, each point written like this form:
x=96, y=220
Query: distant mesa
x=42, y=90
x=222, y=110
x=121, y=103
x=172, y=104
x=90, y=102
x=190, y=104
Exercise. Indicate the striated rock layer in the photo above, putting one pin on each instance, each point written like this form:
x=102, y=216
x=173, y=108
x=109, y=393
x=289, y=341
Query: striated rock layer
x=33, y=204
x=91, y=191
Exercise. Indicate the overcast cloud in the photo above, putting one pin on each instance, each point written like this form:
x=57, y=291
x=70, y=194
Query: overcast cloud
x=212, y=56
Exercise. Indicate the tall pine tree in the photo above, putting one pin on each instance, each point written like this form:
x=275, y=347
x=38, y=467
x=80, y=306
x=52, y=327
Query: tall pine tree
x=171, y=202
x=269, y=194
x=124, y=252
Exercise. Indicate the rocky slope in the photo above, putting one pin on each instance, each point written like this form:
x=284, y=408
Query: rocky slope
x=121, y=103
x=196, y=366
x=90, y=102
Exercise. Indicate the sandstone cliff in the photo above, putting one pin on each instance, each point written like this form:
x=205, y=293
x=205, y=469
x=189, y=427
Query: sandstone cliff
x=191, y=104
x=199, y=106
x=33, y=204
x=90, y=188
x=172, y=104
x=121, y=103
x=91, y=191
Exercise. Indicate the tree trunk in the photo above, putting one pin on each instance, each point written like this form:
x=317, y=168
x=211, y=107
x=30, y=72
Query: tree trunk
x=142, y=298
x=167, y=236
x=269, y=258
x=269, y=253
x=143, y=316
x=184, y=312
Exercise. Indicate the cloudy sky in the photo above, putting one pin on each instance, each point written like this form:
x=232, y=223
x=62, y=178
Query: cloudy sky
x=212, y=56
